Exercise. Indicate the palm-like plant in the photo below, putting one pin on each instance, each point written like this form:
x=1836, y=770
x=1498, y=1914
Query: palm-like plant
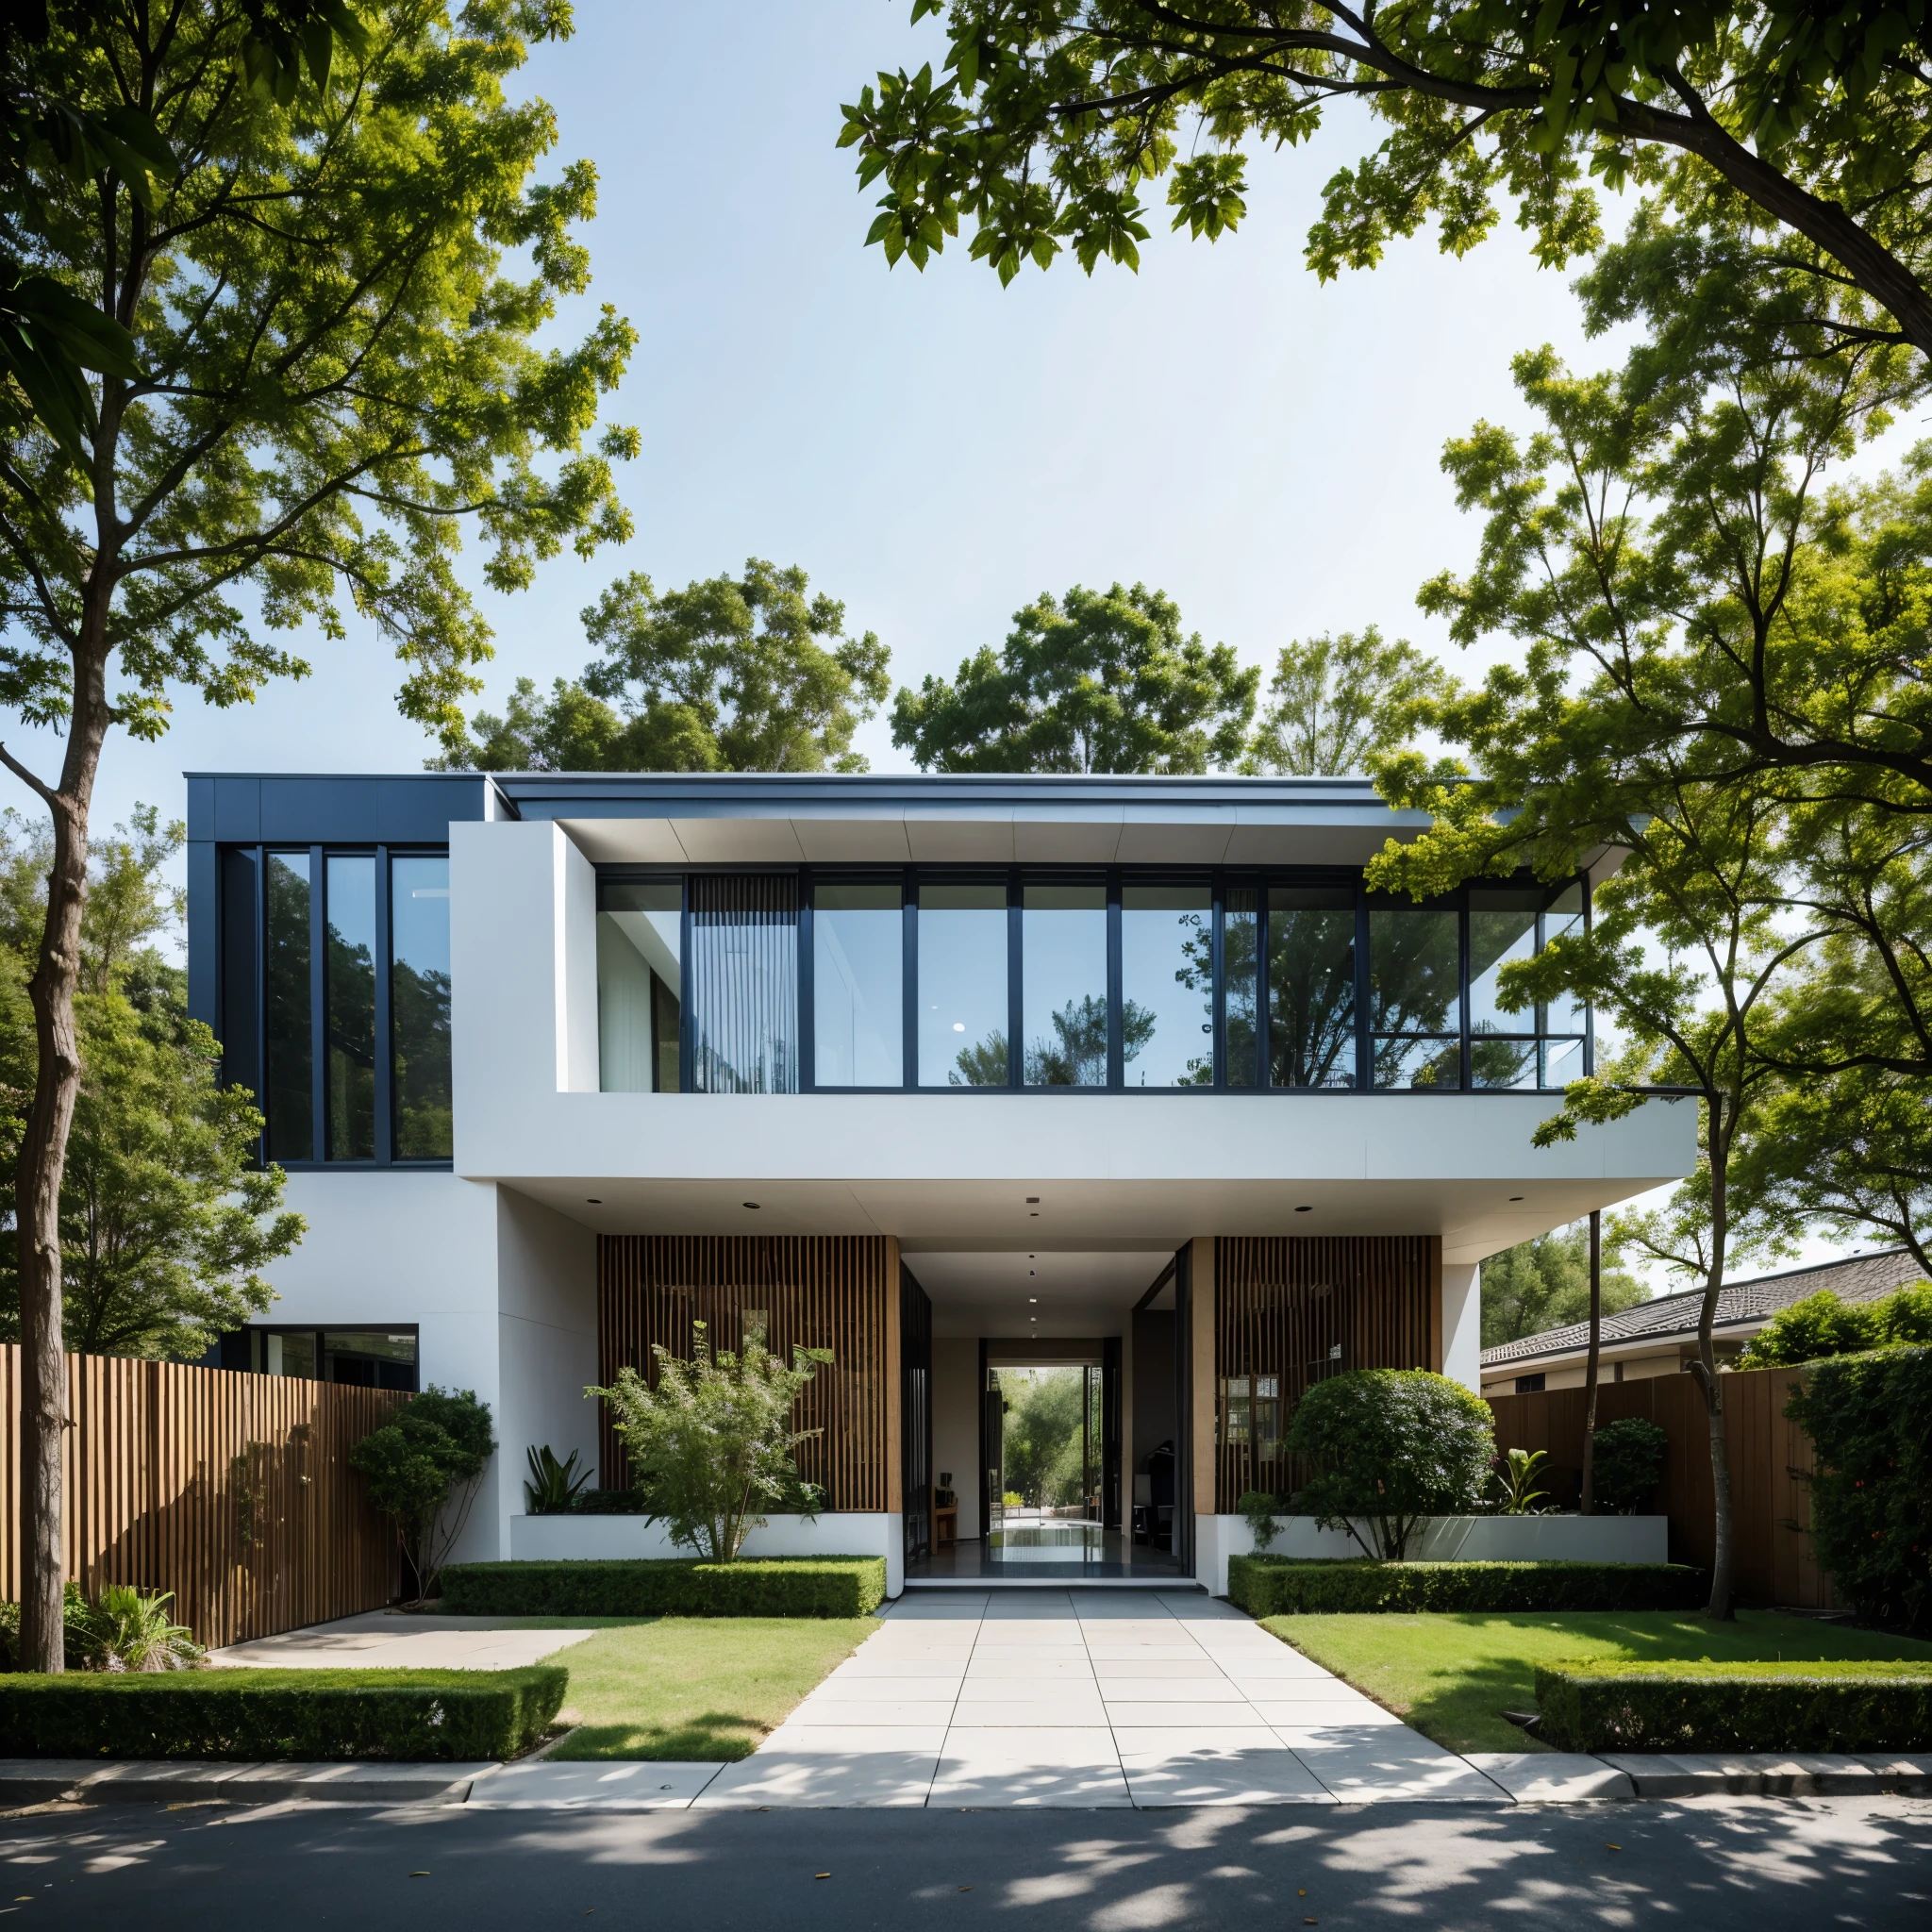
x=1518, y=1474
x=127, y=1631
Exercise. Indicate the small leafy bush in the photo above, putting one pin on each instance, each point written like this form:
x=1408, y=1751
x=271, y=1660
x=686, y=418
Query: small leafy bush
x=1628, y=1463
x=283, y=1715
x=423, y=1469
x=712, y=1443
x=1389, y=1447
x=552, y=1488
x=1869, y=1418
x=124, y=1630
x=1736, y=1706
x=668, y=1587
x=1280, y=1586
x=1260, y=1508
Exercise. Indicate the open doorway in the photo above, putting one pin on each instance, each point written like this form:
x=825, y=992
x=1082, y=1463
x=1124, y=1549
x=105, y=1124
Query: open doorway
x=1045, y=1494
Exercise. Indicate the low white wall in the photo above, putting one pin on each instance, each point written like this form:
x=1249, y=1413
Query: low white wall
x=837, y=1533
x=1445, y=1539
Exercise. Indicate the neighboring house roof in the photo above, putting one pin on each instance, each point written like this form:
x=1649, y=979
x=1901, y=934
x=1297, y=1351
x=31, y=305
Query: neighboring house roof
x=1740, y=1304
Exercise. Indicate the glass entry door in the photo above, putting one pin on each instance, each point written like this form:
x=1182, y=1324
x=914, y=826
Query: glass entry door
x=1045, y=1439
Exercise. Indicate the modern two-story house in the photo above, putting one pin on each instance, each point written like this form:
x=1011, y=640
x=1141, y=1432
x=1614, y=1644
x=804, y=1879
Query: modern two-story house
x=950, y=1077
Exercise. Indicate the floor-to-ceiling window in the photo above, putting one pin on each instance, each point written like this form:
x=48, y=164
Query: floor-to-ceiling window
x=639, y=977
x=1415, y=997
x=349, y=997
x=743, y=976
x=1312, y=1031
x=1064, y=948
x=1167, y=985
x=419, y=1006
x=859, y=983
x=290, y=1100
x=963, y=982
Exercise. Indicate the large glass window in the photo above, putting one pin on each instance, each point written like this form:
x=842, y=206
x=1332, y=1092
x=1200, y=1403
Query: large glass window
x=1064, y=954
x=419, y=1006
x=350, y=995
x=744, y=984
x=962, y=985
x=1415, y=1003
x=1241, y=954
x=1502, y=932
x=290, y=1101
x=1167, y=985
x=858, y=985
x=638, y=983
x=1312, y=987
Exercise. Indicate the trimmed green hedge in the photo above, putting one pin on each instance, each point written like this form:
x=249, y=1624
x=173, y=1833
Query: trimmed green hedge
x=296, y=1715
x=1736, y=1706
x=1282, y=1586
x=668, y=1587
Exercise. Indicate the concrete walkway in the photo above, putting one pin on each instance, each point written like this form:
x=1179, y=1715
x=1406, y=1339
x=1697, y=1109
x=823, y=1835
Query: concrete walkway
x=1086, y=1698
x=389, y=1640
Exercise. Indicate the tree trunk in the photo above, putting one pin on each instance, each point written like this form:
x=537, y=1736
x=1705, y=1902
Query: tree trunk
x=1587, y=1506
x=43, y=1160
x=1705, y=1366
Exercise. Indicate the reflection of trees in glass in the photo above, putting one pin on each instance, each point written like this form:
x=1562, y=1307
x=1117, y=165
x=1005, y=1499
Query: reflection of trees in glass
x=1494, y=1062
x=1195, y=974
x=1412, y=972
x=1076, y=1055
x=285, y=998
x=1312, y=996
x=418, y=1007
x=1042, y=1451
x=1239, y=954
x=984, y=1065
x=350, y=1014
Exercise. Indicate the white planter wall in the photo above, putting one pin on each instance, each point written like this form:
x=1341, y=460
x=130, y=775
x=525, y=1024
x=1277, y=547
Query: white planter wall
x=1445, y=1539
x=837, y=1533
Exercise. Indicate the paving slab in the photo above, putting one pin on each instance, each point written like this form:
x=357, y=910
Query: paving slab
x=1193, y=1768
x=548, y=1785
x=1388, y=1764
x=36, y=1780
x=1070, y=1766
x=1551, y=1777
x=780, y=1774
x=1301, y=1714
x=1775, y=1775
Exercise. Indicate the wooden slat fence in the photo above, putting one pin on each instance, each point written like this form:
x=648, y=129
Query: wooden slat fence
x=232, y=1491
x=834, y=1292
x=1771, y=1470
x=1291, y=1310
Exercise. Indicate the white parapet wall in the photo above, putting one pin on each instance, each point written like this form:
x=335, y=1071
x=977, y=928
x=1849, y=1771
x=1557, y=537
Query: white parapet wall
x=1445, y=1539
x=608, y=1538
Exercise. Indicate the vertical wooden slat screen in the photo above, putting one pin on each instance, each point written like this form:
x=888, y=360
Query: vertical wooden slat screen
x=833, y=1292
x=232, y=1491
x=1770, y=1461
x=1297, y=1310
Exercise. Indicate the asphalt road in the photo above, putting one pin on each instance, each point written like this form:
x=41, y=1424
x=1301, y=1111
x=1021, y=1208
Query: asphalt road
x=1704, y=1865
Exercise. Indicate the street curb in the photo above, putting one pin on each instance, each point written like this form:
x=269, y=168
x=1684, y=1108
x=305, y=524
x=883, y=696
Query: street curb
x=40, y=1781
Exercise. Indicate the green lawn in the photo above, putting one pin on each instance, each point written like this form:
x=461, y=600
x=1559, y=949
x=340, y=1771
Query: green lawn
x=1452, y=1676
x=692, y=1688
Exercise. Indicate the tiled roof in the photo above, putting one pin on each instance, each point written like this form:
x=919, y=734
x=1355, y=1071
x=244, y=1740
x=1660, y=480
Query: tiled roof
x=1859, y=1278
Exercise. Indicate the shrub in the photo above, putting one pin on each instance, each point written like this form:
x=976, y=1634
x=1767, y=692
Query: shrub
x=552, y=1488
x=281, y=1714
x=1628, y=1463
x=674, y=1587
x=1736, y=1706
x=1389, y=1447
x=1869, y=1418
x=1821, y=1326
x=423, y=1469
x=124, y=1631
x=712, y=1443
x=1279, y=1586
x=1260, y=1508
x=1517, y=1476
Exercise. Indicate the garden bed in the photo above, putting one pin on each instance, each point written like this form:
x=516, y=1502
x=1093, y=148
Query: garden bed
x=280, y=1715
x=1838, y=1706
x=1283, y=1586
x=678, y=1586
x=1454, y=1677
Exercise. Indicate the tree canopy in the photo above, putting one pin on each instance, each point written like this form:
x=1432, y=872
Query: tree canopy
x=1544, y=1284
x=1046, y=123
x=1093, y=681
x=167, y=1220
x=1334, y=702
x=746, y=673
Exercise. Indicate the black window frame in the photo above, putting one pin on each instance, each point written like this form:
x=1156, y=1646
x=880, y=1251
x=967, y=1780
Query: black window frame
x=1218, y=880
x=242, y=945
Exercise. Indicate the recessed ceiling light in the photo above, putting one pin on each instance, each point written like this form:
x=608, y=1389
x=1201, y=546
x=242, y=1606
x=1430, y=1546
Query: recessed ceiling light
x=1304, y=1210
x=1516, y=1197
x=1033, y=1200
x=1035, y=1216
x=591, y=1201
x=752, y=1206
x=1034, y=1299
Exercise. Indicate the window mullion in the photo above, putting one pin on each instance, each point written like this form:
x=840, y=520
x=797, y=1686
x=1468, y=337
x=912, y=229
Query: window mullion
x=318, y=1001
x=385, y=1045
